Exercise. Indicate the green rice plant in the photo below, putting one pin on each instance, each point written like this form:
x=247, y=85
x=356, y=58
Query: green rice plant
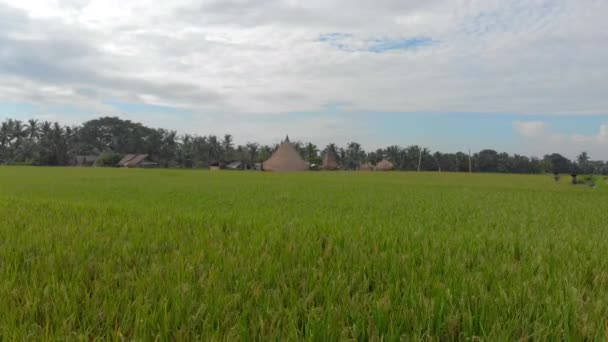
x=126, y=254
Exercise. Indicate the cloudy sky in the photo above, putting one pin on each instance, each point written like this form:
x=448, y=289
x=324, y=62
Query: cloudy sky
x=524, y=76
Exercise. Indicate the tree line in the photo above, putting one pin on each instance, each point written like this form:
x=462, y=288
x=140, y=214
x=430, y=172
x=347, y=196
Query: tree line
x=49, y=143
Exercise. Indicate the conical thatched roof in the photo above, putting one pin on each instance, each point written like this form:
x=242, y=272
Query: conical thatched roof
x=366, y=167
x=329, y=163
x=384, y=165
x=285, y=158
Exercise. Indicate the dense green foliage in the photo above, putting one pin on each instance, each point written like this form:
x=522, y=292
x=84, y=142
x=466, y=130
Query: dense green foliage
x=198, y=255
x=46, y=143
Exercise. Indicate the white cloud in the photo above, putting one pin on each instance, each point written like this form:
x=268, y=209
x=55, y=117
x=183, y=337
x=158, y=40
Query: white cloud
x=264, y=56
x=603, y=136
x=530, y=129
x=540, y=139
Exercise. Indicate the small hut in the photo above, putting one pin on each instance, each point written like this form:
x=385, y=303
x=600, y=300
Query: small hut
x=385, y=165
x=366, y=167
x=285, y=159
x=137, y=160
x=329, y=163
x=236, y=165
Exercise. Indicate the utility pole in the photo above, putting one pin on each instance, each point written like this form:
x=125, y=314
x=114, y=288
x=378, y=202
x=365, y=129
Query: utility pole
x=419, y=158
x=470, y=167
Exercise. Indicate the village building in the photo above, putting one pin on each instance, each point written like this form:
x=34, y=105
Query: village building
x=366, y=167
x=137, y=160
x=285, y=158
x=385, y=165
x=329, y=163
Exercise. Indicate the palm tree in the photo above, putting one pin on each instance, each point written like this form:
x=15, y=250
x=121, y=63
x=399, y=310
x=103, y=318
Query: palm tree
x=438, y=158
x=252, y=149
x=265, y=152
x=4, y=134
x=169, y=147
x=228, y=146
x=311, y=153
x=184, y=153
x=17, y=131
x=331, y=148
x=32, y=129
x=354, y=155
x=215, y=149
x=45, y=129
x=393, y=153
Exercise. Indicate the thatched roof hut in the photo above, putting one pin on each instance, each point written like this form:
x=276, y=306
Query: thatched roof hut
x=136, y=160
x=285, y=158
x=384, y=165
x=329, y=163
x=366, y=167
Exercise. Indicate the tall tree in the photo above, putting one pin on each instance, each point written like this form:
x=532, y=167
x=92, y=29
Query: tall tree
x=252, y=152
x=311, y=153
x=32, y=129
x=556, y=163
x=583, y=161
x=228, y=147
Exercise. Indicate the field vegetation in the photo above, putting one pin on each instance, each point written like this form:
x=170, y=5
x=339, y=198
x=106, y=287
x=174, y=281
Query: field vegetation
x=117, y=254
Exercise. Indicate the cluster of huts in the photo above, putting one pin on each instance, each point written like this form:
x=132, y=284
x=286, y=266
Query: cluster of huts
x=286, y=158
x=130, y=161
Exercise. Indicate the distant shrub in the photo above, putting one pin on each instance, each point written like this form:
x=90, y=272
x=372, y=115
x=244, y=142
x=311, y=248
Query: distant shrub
x=589, y=180
x=108, y=159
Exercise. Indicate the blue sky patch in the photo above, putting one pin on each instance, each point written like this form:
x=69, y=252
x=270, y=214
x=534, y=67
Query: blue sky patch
x=337, y=40
x=331, y=37
x=382, y=45
x=348, y=42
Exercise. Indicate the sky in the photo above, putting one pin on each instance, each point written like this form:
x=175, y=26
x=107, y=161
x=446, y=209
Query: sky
x=521, y=76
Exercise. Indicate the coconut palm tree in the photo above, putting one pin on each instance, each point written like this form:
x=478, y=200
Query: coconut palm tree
x=311, y=153
x=228, y=146
x=32, y=129
x=215, y=149
x=252, y=149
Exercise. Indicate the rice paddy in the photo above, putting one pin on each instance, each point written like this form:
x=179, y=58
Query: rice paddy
x=121, y=254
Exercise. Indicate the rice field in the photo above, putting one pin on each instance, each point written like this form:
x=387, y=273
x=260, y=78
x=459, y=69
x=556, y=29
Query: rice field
x=119, y=254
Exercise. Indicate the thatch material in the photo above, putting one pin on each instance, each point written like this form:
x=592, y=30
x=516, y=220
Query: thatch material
x=285, y=158
x=384, y=165
x=136, y=160
x=366, y=167
x=126, y=159
x=329, y=163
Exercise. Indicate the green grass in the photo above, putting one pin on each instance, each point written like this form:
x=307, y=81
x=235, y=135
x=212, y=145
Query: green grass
x=118, y=254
